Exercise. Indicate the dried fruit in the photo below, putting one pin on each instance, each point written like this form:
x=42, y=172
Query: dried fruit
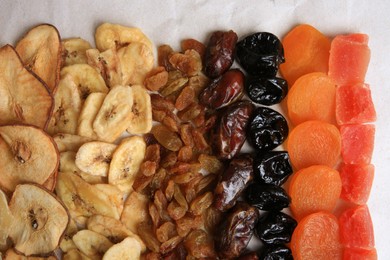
x=267, y=196
x=266, y=91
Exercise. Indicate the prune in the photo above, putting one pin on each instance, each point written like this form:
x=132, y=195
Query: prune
x=275, y=228
x=229, y=134
x=276, y=253
x=223, y=90
x=266, y=91
x=236, y=231
x=249, y=256
x=233, y=181
x=260, y=54
x=268, y=129
x=219, y=54
x=272, y=167
x=267, y=196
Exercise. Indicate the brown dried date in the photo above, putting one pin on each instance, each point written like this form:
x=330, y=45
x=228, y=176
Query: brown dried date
x=249, y=256
x=219, y=53
x=230, y=132
x=236, y=231
x=233, y=181
x=223, y=90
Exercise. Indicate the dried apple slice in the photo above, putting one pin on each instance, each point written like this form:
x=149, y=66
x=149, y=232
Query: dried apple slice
x=28, y=154
x=11, y=254
x=6, y=221
x=23, y=97
x=40, y=220
x=40, y=51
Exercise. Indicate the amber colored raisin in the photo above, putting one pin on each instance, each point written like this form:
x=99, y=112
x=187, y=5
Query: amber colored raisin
x=167, y=138
x=188, y=44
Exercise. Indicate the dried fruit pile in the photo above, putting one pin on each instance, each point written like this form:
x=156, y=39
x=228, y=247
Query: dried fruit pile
x=105, y=156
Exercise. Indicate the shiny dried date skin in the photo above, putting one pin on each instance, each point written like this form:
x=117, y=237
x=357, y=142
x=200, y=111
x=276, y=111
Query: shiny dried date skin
x=273, y=167
x=236, y=231
x=219, y=55
x=266, y=91
x=229, y=134
x=267, y=197
x=268, y=129
x=223, y=90
x=234, y=180
x=276, y=253
x=260, y=54
x=275, y=228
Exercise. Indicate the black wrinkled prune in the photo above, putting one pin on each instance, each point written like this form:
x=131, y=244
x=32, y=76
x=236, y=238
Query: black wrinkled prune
x=275, y=228
x=260, y=54
x=266, y=91
x=273, y=167
x=267, y=196
x=229, y=134
x=233, y=181
x=276, y=253
x=236, y=230
x=268, y=129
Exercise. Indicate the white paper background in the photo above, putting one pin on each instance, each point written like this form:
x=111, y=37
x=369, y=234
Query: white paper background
x=169, y=21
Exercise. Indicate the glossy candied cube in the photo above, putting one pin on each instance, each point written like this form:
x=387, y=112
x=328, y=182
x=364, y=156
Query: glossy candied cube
x=357, y=143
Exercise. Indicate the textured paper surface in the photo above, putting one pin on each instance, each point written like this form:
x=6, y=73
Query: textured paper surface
x=169, y=21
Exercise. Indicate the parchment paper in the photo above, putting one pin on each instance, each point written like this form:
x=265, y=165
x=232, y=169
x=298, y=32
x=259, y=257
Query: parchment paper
x=169, y=21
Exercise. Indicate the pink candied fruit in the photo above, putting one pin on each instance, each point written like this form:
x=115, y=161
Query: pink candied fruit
x=360, y=254
x=354, y=104
x=356, y=181
x=357, y=143
x=349, y=58
x=356, y=229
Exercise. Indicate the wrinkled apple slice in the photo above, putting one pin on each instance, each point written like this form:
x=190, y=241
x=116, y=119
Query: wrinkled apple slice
x=11, y=254
x=95, y=157
x=91, y=243
x=40, y=220
x=28, y=154
x=83, y=198
x=114, y=115
x=23, y=97
x=109, y=36
x=40, y=51
x=6, y=221
x=74, y=51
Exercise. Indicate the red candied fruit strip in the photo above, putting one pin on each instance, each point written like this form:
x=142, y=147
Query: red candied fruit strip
x=354, y=104
x=360, y=254
x=349, y=58
x=356, y=229
x=356, y=182
x=357, y=143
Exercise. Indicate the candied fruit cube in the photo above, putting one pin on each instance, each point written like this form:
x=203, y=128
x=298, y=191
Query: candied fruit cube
x=357, y=143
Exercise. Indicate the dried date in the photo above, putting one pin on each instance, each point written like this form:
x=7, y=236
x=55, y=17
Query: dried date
x=229, y=134
x=236, y=231
x=219, y=53
x=233, y=181
x=223, y=90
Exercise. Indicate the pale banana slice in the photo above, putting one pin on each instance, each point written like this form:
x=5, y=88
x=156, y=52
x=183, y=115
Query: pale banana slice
x=82, y=197
x=126, y=160
x=95, y=157
x=135, y=211
x=107, y=64
x=109, y=36
x=136, y=61
x=141, y=120
x=69, y=142
x=115, y=195
x=128, y=249
x=114, y=115
x=6, y=221
x=91, y=243
x=68, y=164
x=86, y=78
x=111, y=228
x=74, y=51
x=88, y=113
x=67, y=107
x=75, y=254
x=67, y=243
